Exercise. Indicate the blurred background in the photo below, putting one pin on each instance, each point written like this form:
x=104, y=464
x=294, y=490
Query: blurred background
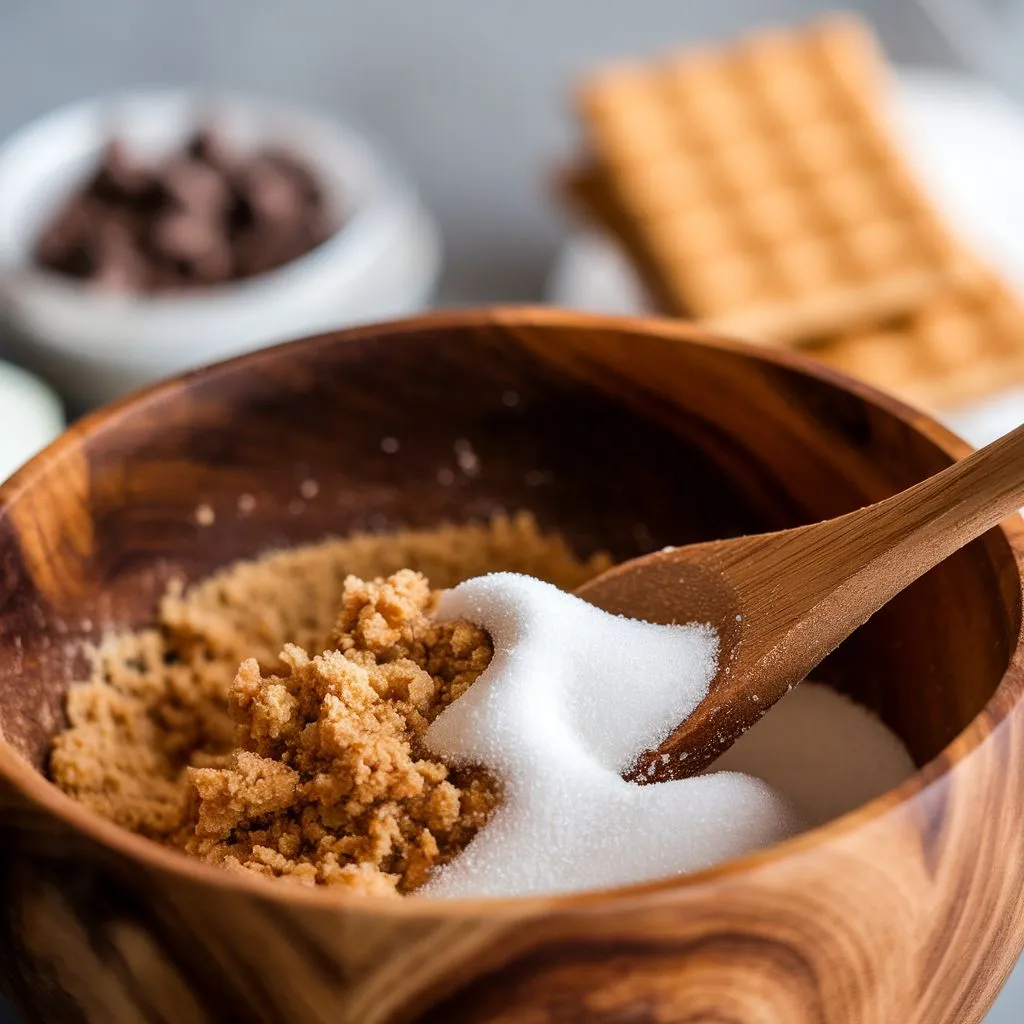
x=464, y=107
x=469, y=97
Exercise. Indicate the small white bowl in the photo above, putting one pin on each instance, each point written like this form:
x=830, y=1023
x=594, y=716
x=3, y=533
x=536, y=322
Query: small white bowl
x=383, y=261
x=31, y=416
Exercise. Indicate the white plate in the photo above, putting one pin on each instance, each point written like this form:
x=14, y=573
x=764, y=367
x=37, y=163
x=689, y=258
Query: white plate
x=967, y=144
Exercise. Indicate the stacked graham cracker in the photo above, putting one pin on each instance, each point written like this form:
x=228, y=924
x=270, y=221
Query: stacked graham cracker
x=756, y=188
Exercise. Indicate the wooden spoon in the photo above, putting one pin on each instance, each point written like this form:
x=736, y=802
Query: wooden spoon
x=782, y=601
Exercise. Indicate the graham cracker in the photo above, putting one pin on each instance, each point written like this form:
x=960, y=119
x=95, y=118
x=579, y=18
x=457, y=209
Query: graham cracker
x=960, y=346
x=584, y=191
x=760, y=189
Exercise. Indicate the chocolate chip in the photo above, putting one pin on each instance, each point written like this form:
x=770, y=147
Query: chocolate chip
x=211, y=149
x=215, y=265
x=153, y=198
x=273, y=194
x=202, y=215
x=303, y=177
x=241, y=216
x=77, y=260
x=260, y=251
x=182, y=235
x=67, y=244
x=167, y=277
x=119, y=177
x=195, y=186
x=119, y=272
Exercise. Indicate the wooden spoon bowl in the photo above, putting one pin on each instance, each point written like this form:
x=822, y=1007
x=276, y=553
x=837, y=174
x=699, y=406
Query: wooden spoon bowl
x=623, y=434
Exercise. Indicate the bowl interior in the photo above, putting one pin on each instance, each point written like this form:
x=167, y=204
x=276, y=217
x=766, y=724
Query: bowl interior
x=618, y=437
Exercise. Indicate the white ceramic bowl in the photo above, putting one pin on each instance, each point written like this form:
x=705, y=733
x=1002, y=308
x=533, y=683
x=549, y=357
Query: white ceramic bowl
x=383, y=262
x=31, y=416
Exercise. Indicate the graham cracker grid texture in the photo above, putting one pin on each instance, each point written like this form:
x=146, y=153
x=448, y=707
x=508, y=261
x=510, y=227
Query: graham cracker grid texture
x=959, y=345
x=762, y=186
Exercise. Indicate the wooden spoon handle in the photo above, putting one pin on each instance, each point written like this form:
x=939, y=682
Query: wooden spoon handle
x=857, y=563
x=813, y=586
x=783, y=601
x=920, y=527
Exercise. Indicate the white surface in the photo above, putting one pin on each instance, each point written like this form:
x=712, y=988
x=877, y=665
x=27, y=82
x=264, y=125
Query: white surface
x=570, y=699
x=383, y=262
x=31, y=416
x=967, y=145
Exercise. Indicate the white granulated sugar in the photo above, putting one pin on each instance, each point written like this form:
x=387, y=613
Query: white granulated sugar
x=825, y=752
x=571, y=697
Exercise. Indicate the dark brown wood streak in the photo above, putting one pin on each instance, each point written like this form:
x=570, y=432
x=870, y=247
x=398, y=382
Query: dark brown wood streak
x=623, y=434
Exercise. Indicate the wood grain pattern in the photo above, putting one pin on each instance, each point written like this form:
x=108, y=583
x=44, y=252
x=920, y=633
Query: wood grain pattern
x=644, y=433
x=782, y=601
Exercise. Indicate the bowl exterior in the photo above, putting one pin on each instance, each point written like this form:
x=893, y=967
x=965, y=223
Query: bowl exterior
x=895, y=924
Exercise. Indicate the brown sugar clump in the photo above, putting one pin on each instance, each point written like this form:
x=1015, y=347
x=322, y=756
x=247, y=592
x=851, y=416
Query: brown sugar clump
x=328, y=778
x=216, y=731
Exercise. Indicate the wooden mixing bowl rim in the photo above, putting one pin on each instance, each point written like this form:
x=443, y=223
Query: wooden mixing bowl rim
x=38, y=790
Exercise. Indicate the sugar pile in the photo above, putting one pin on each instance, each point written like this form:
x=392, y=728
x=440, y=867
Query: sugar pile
x=571, y=697
x=825, y=752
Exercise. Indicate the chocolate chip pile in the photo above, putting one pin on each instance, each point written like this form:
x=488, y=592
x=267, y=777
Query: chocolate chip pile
x=202, y=215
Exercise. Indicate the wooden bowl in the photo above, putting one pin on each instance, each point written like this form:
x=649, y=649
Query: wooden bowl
x=907, y=911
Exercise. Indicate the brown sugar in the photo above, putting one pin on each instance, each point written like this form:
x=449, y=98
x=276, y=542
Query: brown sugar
x=325, y=779
x=218, y=732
